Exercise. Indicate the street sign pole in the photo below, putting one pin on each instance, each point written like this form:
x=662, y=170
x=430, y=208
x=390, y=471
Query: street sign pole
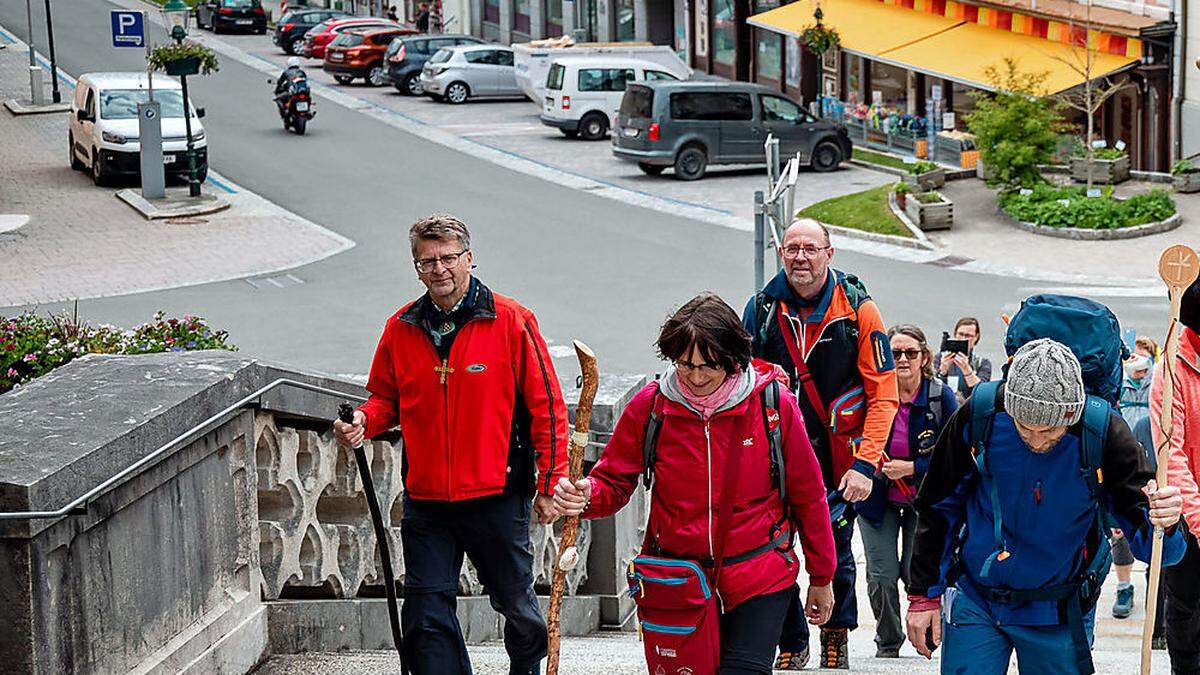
x=129, y=30
x=56, y=96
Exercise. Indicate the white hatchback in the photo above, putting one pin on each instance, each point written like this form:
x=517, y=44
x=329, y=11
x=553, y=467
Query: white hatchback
x=583, y=93
x=103, y=135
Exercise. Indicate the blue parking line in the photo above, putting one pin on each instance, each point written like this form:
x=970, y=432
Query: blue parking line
x=62, y=76
x=221, y=184
x=7, y=37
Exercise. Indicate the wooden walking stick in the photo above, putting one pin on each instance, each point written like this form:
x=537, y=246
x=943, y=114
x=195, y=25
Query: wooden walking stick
x=1178, y=267
x=568, y=555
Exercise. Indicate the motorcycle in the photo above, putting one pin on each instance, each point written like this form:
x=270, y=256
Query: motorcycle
x=295, y=104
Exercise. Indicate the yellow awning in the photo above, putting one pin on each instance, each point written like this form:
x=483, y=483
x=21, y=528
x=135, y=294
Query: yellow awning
x=936, y=45
x=866, y=27
x=964, y=54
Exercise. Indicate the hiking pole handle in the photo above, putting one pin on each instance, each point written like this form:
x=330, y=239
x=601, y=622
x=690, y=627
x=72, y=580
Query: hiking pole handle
x=346, y=414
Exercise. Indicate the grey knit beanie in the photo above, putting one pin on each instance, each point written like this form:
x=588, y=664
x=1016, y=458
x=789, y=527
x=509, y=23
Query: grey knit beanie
x=1045, y=385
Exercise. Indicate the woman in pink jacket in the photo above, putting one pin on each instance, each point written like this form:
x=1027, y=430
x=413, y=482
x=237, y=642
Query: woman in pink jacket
x=707, y=400
x=1182, y=581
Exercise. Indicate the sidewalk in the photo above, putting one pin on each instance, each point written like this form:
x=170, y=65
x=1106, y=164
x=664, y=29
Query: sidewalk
x=81, y=241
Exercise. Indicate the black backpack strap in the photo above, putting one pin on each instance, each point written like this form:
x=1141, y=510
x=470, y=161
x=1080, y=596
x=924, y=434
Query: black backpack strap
x=983, y=410
x=935, y=399
x=774, y=433
x=650, y=440
x=764, y=309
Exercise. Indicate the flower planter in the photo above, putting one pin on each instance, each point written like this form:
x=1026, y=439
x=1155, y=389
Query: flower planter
x=1107, y=171
x=1187, y=182
x=930, y=180
x=185, y=66
x=901, y=199
x=933, y=216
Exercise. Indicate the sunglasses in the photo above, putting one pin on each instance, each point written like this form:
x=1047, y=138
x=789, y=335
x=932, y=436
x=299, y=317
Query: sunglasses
x=910, y=354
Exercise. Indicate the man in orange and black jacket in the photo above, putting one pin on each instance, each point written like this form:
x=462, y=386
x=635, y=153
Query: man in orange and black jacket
x=823, y=321
x=467, y=376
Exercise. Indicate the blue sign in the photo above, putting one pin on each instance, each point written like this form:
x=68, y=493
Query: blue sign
x=128, y=28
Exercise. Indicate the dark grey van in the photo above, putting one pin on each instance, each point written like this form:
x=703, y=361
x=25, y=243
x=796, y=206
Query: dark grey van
x=691, y=125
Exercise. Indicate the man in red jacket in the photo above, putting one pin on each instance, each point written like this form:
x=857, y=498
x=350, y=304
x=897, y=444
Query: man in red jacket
x=467, y=376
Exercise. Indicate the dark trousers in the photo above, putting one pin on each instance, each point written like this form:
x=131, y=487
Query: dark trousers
x=845, y=607
x=748, y=633
x=1182, y=611
x=494, y=533
x=889, y=550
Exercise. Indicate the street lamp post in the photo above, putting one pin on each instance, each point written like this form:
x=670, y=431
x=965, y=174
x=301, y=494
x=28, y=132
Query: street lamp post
x=55, y=96
x=176, y=13
x=818, y=15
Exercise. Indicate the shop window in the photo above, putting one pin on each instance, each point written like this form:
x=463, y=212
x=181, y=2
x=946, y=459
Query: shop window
x=724, y=33
x=552, y=10
x=625, y=27
x=768, y=62
x=491, y=11
x=520, y=9
x=889, y=86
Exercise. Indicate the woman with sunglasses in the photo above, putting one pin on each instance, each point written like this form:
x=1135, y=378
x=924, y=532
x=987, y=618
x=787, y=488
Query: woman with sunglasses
x=714, y=429
x=925, y=405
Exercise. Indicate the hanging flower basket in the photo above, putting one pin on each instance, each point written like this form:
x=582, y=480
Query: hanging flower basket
x=185, y=66
x=185, y=58
x=820, y=39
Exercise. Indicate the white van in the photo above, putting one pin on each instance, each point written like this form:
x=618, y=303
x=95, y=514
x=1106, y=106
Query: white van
x=583, y=93
x=532, y=59
x=103, y=134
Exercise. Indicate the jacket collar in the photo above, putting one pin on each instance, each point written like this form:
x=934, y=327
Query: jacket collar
x=479, y=298
x=779, y=289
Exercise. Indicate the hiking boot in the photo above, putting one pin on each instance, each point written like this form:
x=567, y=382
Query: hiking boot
x=1123, y=607
x=518, y=669
x=792, y=660
x=1158, y=642
x=887, y=653
x=835, y=648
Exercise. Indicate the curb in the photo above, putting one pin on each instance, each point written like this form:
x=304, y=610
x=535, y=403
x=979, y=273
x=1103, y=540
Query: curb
x=11, y=222
x=172, y=207
x=18, y=109
x=1081, y=234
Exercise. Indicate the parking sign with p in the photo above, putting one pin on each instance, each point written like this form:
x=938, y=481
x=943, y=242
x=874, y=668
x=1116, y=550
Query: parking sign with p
x=128, y=28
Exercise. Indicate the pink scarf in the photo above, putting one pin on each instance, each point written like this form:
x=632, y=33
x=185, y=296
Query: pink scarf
x=707, y=405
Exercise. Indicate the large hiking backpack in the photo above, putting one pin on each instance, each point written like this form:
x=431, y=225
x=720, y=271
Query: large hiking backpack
x=1088, y=328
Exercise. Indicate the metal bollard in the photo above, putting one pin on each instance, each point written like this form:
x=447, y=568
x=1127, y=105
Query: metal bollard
x=36, y=95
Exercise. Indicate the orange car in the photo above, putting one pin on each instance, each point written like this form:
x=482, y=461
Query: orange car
x=359, y=53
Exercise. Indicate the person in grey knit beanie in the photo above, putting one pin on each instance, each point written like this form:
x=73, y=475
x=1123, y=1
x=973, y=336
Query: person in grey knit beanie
x=1045, y=385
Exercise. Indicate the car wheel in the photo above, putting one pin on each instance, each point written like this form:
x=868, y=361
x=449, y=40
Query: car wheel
x=651, y=169
x=826, y=157
x=343, y=79
x=412, y=86
x=691, y=163
x=457, y=93
x=99, y=177
x=377, y=76
x=569, y=133
x=593, y=127
x=75, y=163
x=297, y=46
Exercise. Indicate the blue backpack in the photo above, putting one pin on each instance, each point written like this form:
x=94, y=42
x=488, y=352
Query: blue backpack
x=1088, y=328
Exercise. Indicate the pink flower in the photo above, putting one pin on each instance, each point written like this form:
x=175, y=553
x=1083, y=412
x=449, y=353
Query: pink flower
x=29, y=358
x=12, y=372
x=170, y=341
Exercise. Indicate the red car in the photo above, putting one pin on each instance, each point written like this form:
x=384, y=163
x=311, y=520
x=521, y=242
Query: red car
x=359, y=52
x=319, y=37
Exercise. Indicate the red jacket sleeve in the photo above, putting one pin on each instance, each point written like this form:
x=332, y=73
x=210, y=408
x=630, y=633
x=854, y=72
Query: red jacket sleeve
x=543, y=397
x=381, y=408
x=615, y=476
x=806, y=494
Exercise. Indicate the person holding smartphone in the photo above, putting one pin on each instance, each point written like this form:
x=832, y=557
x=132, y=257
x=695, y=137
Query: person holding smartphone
x=961, y=368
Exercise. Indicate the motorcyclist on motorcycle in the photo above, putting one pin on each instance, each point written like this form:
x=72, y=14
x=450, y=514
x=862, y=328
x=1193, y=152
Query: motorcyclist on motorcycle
x=281, y=85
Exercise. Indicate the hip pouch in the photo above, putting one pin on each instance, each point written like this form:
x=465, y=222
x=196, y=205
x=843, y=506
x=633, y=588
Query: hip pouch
x=679, y=615
x=847, y=417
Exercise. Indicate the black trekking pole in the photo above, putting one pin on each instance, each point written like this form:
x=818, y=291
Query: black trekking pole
x=346, y=414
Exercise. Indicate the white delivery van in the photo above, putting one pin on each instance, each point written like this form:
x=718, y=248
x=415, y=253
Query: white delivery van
x=103, y=132
x=533, y=59
x=583, y=93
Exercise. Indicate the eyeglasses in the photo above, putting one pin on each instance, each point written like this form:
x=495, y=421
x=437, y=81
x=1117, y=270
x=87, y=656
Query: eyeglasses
x=910, y=354
x=808, y=251
x=702, y=368
x=449, y=261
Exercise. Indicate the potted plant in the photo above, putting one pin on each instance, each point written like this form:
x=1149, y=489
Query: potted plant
x=1106, y=165
x=901, y=192
x=925, y=175
x=183, y=58
x=1186, y=176
x=930, y=210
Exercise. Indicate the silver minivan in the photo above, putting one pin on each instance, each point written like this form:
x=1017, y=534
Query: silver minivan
x=455, y=74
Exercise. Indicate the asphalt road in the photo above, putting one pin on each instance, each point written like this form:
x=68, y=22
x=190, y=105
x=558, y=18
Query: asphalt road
x=590, y=267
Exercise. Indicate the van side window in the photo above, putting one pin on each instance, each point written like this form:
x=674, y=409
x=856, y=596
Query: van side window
x=604, y=79
x=711, y=106
x=90, y=106
x=777, y=109
x=653, y=75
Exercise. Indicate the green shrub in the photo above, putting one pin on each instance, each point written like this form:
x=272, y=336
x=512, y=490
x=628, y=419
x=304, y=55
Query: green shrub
x=929, y=198
x=1071, y=207
x=1016, y=129
x=901, y=188
x=1107, y=153
x=1182, y=166
x=918, y=168
x=32, y=345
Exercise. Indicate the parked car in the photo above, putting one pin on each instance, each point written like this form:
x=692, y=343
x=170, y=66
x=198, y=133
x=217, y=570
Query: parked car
x=358, y=52
x=222, y=15
x=407, y=56
x=103, y=130
x=456, y=74
x=692, y=125
x=318, y=37
x=291, y=27
x=583, y=93
x=533, y=59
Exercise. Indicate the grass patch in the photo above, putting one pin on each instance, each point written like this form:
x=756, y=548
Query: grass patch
x=867, y=211
x=879, y=158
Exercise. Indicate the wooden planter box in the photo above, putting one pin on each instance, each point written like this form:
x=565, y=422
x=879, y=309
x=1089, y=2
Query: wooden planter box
x=936, y=216
x=1187, y=182
x=930, y=180
x=1108, y=171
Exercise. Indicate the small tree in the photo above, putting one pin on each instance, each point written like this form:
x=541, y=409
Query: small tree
x=1015, y=129
x=1089, y=96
